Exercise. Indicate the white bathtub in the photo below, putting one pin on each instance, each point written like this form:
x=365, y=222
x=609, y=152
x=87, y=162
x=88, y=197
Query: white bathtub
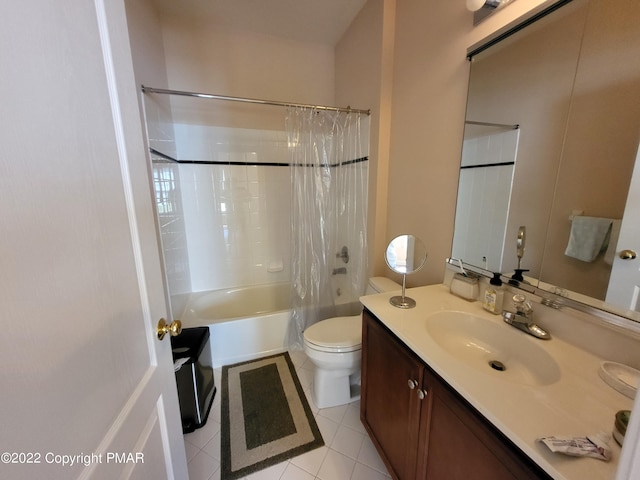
x=245, y=322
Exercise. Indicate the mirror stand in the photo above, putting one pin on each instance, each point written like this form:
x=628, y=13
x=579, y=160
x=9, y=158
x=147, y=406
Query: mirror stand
x=401, y=301
x=405, y=254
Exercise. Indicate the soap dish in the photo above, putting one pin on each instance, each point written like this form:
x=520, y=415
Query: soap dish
x=620, y=377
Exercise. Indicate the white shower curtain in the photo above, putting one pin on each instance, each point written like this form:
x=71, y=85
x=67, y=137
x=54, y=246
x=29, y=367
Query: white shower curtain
x=328, y=152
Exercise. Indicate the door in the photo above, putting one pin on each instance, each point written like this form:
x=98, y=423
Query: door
x=87, y=389
x=624, y=283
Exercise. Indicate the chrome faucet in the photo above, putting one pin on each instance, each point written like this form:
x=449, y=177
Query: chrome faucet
x=522, y=319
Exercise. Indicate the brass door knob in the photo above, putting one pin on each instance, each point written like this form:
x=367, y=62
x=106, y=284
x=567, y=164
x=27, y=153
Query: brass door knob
x=173, y=329
x=627, y=254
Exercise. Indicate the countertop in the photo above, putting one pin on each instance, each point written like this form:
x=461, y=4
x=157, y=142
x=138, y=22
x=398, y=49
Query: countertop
x=578, y=404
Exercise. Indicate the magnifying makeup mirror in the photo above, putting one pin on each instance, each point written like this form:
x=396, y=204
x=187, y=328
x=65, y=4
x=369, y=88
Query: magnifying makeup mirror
x=405, y=254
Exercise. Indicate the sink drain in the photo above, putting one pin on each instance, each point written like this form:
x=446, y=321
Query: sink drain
x=497, y=365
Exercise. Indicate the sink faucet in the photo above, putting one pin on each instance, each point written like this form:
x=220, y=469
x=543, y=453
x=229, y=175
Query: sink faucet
x=522, y=319
x=523, y=306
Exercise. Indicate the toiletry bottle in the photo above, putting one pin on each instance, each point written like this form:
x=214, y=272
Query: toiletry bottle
x=494, y=295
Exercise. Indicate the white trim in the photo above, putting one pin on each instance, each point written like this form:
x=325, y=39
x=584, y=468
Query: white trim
x=166, y=442
x=123, y=158
x=116, y=427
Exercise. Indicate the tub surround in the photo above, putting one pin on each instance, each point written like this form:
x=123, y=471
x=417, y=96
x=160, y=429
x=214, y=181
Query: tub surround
x=578, y=403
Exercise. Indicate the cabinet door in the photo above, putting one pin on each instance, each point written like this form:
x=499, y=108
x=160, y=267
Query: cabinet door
x=462, y=445
x=390, y=408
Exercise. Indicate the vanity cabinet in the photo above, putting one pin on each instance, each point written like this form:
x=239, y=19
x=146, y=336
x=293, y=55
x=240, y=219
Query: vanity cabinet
x=422, y=428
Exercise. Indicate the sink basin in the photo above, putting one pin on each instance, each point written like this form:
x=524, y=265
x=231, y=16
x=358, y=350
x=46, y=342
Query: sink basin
x=493, y=348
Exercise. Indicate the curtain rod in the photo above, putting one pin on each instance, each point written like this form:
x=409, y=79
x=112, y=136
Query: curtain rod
x=251, y=100
x=498, y=125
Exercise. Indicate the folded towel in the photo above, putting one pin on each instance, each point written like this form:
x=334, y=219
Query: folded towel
x=613, y=242
x=589, y=236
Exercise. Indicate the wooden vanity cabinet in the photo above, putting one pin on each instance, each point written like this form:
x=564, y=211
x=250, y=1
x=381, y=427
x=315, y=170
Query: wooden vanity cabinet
x=422, y=428
x=389, y=407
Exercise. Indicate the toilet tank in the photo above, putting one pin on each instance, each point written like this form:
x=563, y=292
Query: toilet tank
x=381, y=284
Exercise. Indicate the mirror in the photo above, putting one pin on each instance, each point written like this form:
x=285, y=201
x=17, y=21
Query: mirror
x=552, y=132
x=405, y=254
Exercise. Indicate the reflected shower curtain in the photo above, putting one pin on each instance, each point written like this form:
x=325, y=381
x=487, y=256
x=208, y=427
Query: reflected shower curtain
x=328, y=153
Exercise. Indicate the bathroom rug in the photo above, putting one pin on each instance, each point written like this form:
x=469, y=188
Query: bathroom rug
x=266, y=418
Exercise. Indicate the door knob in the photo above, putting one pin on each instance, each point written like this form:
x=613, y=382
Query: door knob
x=173, y=329
x=412, y=384
x=627, y=254
x=422, y=394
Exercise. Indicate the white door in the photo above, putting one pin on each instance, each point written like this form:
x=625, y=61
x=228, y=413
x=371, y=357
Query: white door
x=624, y=283
x=86, y=388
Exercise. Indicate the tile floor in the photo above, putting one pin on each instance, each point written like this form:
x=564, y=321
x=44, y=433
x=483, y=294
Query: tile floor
x=348, y=453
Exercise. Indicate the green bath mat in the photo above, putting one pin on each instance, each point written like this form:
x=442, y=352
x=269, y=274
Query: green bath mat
x=265, y=416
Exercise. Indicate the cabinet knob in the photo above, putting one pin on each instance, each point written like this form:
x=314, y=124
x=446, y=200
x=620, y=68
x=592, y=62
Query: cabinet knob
x=412, y=384
x=422, y=394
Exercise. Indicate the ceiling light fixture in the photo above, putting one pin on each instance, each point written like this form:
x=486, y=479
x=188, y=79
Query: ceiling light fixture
x=484, y=8
x=474, y=5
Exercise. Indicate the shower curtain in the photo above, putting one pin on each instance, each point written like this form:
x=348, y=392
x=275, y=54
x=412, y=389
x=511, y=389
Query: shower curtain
x=328, y=153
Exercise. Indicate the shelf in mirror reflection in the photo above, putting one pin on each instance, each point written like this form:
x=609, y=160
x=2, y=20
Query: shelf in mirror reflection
x=556, y=297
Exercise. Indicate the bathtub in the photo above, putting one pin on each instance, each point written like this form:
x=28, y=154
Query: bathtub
x=245, y=322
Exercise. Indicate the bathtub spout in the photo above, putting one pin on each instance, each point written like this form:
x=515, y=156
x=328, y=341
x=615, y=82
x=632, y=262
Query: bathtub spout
x=340, y=271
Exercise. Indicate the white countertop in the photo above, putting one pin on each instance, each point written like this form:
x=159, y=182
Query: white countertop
x=578, y=404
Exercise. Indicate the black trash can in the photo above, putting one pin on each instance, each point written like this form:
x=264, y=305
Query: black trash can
x=194, y=378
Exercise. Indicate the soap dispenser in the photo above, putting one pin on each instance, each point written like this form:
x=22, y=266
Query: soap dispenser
x=494, y=295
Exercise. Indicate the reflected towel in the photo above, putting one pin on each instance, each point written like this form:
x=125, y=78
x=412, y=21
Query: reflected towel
x=613, y=242
x=589, y=236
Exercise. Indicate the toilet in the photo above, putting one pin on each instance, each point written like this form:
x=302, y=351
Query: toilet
x=334, y=346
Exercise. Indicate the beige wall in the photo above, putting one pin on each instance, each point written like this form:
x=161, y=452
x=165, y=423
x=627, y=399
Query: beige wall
x=145, y=37
x=364, y=69
x=430, y=81
x=428, y=104
x=219, y=60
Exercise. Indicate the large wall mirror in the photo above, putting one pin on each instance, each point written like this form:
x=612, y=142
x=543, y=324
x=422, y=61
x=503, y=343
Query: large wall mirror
x=551, y=140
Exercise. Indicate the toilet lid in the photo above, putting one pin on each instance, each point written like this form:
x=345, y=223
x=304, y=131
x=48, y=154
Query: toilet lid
x=340, y=334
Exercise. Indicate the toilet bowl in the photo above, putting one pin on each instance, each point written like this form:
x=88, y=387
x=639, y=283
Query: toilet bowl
x=334, y=346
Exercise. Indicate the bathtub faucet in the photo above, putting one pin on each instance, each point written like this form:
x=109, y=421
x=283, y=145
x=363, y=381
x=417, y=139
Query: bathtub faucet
x=343, y=254
x=340, y=271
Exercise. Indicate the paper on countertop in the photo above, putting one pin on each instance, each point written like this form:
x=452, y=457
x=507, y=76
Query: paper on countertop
x=595, y=446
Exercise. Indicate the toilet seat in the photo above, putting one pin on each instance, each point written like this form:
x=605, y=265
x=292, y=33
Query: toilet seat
x=335, y=335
